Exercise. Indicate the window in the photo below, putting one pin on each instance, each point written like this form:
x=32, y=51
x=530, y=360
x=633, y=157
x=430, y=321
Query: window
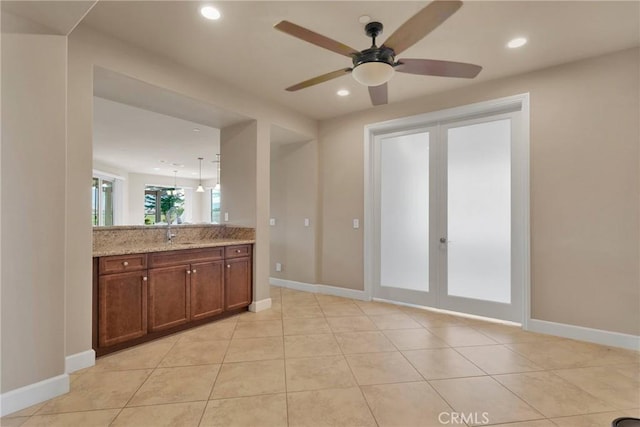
x=158, y=202
x=215, y=206
x=102, y=200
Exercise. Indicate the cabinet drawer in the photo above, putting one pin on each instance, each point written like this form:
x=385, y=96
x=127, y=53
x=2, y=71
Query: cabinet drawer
x=122, y=263
x=185, y=256
x=237, y=251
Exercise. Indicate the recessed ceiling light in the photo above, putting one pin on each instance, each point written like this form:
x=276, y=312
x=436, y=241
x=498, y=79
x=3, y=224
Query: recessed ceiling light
x=343, y=92
x=210, y=12
x=196, y=129
x=517, y=42
x=364, y=19
x=156, y=169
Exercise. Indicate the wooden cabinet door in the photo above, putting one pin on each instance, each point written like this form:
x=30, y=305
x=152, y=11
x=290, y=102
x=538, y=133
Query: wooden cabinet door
x=122, y=310
x=237, y=283
x=207, y=290
x=168, y=297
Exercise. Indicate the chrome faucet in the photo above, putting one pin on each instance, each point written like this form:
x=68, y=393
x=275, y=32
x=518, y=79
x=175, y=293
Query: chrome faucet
x=170, y=235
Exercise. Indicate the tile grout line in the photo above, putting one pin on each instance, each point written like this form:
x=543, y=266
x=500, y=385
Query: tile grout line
x=355, y=379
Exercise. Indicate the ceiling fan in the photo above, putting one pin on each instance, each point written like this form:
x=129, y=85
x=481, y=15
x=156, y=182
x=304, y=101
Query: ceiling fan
x=374, y=67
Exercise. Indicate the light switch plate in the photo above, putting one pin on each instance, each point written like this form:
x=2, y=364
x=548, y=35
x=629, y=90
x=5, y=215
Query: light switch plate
x=272, y=221
x=278, y=266
x=306, y=222
x=356, y=223
x=226, y=216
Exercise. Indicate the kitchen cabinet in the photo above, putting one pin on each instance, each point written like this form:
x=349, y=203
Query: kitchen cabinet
x=237, y=281
x=167, y=292
x=169, y=299
x=207, y=289
x=122, y=304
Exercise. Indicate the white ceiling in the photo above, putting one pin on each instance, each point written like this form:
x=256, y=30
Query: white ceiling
x=242, y=48
x=137, y=140
x=51, y=17
x=149, y=124
x=127, y=90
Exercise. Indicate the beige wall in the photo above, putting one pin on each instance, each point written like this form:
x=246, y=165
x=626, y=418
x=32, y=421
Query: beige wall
x=238, y=173
x=294, y=180
x=585, y=188
x=33, y=211
x=88, y=49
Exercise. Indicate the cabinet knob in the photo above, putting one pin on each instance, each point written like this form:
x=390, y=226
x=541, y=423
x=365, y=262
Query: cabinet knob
x=237, y=251
x=228, y=265
x=194, y=270
x=125, y=263
x=188, y=271
x=144, y=279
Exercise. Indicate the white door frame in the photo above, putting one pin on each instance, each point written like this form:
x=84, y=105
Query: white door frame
x=520, y=177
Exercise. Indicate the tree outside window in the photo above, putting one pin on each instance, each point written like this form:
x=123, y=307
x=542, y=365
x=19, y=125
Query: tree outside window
x=158, y=202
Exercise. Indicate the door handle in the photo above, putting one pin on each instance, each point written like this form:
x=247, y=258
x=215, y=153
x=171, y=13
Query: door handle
x=443, y=240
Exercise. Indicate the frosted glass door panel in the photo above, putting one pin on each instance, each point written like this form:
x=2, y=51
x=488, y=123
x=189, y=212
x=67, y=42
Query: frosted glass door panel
x=479, y=211
x=404, y=212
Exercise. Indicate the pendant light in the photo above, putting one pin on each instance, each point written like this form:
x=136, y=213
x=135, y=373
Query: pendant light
x=174, y=192
x=217, y=187
x=200, y=188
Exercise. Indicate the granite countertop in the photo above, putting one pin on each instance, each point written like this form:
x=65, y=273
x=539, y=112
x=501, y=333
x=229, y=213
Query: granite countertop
x=140, y=247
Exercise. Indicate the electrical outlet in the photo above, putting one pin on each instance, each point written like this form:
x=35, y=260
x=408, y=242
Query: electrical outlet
x=226, y=216
x=272, y=221
x=306, y=222
x=356, y=223
x=278, y=266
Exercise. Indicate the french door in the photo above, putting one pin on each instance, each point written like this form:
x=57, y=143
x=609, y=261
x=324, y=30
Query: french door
x=448, y=229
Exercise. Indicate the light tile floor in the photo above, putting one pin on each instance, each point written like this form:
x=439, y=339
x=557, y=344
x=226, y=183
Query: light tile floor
x=317, y=360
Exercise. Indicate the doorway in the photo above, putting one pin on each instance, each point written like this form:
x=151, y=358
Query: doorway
x=447, y=210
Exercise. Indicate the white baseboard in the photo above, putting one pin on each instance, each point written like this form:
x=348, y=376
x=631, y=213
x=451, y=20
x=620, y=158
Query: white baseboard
x=449, y=312
x=598, y=336
x=320, y=289
x=23, y=397
x=263, y=304
x=78, y=361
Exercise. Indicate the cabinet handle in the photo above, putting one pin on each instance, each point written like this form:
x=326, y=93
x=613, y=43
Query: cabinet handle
x=144, y=279
x=188, y=271
x=125, y=263
x=228, y=265
x=194, y=270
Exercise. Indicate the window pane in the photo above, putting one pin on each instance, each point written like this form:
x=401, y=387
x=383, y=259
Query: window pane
x=215, y=206
x=162, y=203
x=95, y=201
x=106, y=203
x=404, y=210
x=479, y=211
x=150, y=203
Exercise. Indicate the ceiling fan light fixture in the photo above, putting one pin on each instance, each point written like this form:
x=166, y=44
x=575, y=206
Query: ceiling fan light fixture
x=374, y=73
x=210, y=12
x=517, y=42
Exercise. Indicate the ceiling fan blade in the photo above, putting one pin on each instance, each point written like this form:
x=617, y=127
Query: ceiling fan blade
x=315, y=38
x=421, y=24
x=319, y=79
x=432, y=67
x=378, y=94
